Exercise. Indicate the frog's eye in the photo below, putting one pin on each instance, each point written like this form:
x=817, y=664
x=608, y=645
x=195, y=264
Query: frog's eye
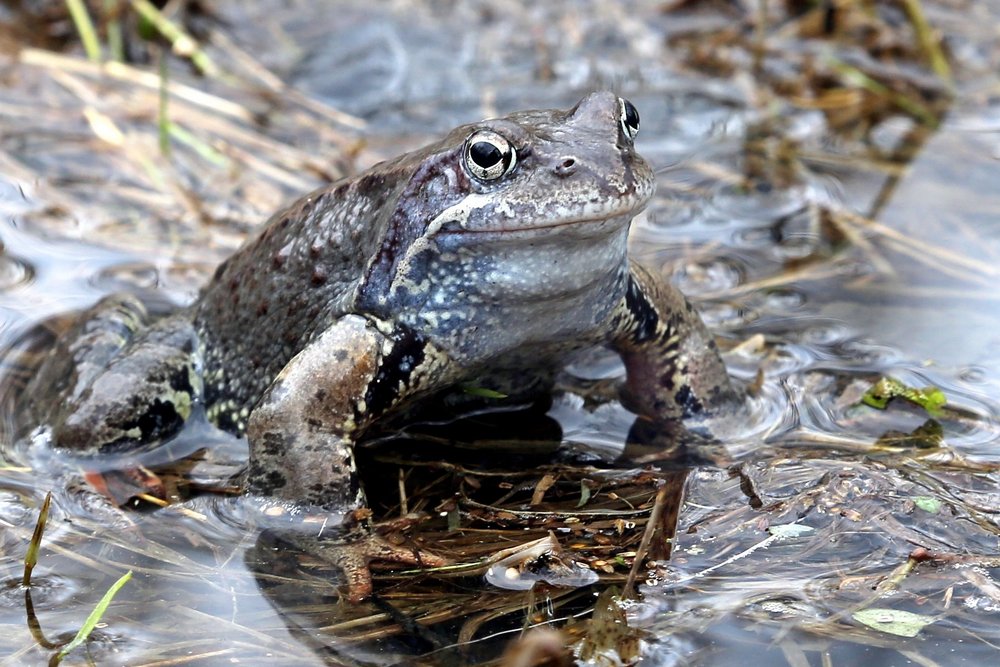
x=489, y=156
x=628, y=116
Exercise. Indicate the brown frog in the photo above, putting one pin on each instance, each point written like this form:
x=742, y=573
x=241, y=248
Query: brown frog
x=492, y=257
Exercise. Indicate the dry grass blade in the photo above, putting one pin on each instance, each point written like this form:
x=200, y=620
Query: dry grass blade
x=509, y=605
x=135, y=76
x=814, y=271
x=947, y=257
x=878, y=261
x=918, y=659
x=252, y=68
x=561, y=514
x=986, y=586
x=194, y=658
x=652, y=525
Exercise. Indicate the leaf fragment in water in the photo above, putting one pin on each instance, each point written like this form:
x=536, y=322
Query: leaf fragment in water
x=790, y=530
x=878, y=396
x=893, y=621
x=928, y=504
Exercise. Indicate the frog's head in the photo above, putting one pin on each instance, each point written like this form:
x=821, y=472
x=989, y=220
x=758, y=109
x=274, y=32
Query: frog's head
x=541, y=169
x=506, y=208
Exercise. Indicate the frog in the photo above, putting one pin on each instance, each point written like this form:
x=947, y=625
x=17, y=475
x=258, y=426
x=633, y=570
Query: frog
x=492, y=258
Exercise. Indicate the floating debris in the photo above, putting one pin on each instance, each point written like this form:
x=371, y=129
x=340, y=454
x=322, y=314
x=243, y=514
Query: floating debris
x=893, y=621
x=543, y=560
x=930, y=399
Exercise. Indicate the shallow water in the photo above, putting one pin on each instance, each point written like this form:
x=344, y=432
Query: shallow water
x=851, y=255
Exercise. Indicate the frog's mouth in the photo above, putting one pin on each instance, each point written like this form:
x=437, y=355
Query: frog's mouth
x=576, y=227
x=498, y=219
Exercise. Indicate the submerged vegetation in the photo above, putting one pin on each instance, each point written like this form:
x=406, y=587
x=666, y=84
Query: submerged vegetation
x=60, y=649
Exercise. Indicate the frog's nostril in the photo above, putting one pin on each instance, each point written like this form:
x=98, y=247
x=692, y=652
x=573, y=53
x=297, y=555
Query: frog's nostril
x=566, y=167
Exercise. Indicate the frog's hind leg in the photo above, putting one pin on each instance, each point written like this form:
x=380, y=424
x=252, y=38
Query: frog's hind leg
x=142, y=396
x=111, y=383
x=83, y=351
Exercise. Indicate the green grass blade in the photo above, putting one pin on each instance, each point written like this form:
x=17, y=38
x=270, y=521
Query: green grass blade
x=929, y=41
x=116, y=40
x=94, y=618
x=183, y=44
x=204, y=150
x=84, y=26
x=31, y=557
x=482, y=392
x=163, y=119
x=855, y=77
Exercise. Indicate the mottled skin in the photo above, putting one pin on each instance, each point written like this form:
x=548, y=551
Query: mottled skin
x=443, y=267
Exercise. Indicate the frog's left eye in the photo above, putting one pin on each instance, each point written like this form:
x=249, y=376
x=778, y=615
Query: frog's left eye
x=628, y=116
x=489, y=156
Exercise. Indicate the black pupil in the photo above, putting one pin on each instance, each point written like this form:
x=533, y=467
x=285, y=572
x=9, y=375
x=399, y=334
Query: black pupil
x=485, y=154
x=631, y=115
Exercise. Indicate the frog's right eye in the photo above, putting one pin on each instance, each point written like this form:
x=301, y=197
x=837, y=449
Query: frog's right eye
x=489, y=156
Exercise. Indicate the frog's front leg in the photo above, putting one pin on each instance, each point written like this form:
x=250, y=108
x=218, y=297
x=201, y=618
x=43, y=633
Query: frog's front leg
x=672, y=363
x=303, y=431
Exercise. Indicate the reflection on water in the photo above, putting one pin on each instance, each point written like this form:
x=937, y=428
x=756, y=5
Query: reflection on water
x=823, y=259
x=939, y=303
x=728, y=557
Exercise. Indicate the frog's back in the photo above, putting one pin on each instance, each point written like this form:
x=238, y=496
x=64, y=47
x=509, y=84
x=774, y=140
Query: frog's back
x=300, y=273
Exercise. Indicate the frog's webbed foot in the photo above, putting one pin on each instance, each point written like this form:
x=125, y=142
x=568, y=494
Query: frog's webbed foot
x=354, y=558
x=350, y=547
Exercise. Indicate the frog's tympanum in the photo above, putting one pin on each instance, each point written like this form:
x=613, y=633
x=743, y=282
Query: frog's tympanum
x=489, y=258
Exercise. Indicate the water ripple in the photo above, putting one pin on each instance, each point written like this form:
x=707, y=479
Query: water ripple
x=15, y=272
